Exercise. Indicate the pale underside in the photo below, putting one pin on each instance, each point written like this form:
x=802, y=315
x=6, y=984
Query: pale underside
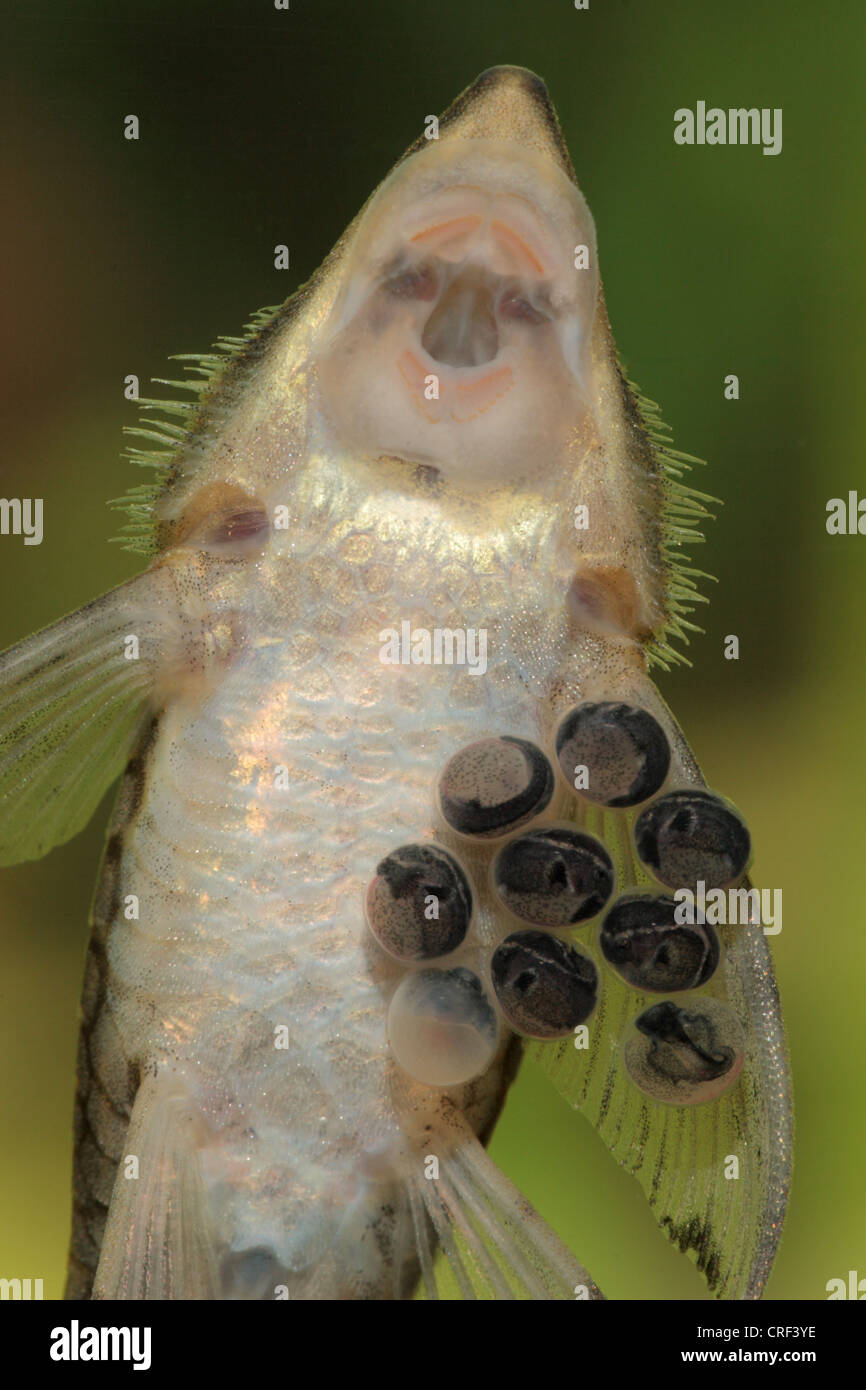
x=407, y=442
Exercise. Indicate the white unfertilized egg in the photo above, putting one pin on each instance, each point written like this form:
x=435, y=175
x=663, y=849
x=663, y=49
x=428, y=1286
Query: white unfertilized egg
x=441, y=1026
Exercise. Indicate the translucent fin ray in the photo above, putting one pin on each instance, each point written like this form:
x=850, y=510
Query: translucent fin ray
x=495, y=1244
x=139, y=502
x=682, y=515
x=71, y=708
x=730, y=1226
x=159, y=1241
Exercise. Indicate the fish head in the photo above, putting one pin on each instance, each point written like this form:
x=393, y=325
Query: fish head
x=450, y=364
x=460, y=336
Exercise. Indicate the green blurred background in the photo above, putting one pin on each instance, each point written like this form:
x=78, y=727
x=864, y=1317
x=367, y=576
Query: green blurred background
x=259, y=127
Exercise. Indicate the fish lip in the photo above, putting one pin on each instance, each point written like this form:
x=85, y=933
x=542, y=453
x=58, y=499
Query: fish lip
x=451, y=375
x=455, y=382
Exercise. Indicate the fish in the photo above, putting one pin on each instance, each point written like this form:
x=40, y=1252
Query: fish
x=399, y=801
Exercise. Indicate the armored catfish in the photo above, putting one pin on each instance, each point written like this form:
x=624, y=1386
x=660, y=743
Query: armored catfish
x=398, y=795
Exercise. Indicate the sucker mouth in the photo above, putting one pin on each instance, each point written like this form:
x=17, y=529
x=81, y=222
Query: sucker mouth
x=463, y=317
x=473, y=280
x=461, y=331
x=458, y=338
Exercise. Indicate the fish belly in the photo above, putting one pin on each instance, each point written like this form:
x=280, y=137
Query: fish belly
x=229, y=946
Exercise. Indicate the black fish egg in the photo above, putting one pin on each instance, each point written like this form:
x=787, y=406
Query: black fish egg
x=419, y=904
x=544, y=986
x=686, y=837
x=554, y=877
x=495, y=785
x=685, y=1053
x=643, y=942
x=624, y=750
x=442, y=1027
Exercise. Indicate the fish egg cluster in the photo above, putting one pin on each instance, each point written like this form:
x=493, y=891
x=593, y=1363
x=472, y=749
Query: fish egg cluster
x=679, y=1051
x=445, y=1019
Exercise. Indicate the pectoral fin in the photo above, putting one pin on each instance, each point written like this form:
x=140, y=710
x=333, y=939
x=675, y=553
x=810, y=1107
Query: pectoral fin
x=711, y=1151
x=73, y=698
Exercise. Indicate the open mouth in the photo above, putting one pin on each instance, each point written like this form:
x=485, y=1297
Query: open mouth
x=462, y=331
x=471, y=285
x=478, y=275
